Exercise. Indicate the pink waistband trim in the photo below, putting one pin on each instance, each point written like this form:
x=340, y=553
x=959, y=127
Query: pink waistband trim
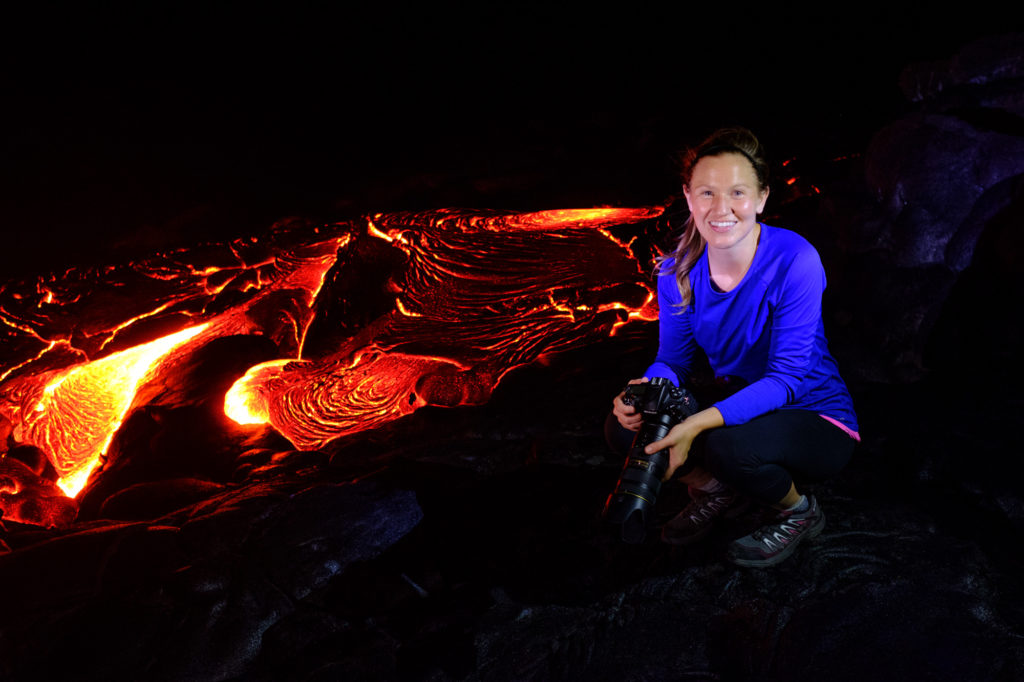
x=850, y=432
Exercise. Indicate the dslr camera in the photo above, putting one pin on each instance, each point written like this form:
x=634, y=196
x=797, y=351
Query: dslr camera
x=630, y=507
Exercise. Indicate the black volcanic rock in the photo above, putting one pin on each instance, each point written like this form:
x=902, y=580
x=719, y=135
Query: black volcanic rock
x=934, y=188
x=984, y=73
x=928, y=173
x=187, y=596
x=152, y=499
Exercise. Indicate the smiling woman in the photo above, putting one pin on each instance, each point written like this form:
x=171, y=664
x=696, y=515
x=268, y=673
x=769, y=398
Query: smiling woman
x=749, y=296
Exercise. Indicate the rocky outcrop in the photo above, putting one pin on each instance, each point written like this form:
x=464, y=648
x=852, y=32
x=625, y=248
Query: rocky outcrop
x=930, y=187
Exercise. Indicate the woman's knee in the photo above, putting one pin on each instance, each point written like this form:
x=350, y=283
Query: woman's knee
x=729, y=457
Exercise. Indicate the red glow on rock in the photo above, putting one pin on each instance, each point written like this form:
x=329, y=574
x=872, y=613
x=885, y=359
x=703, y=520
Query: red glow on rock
x=27, y=498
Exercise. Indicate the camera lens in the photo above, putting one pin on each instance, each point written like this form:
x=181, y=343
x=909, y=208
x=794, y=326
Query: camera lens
x=630, y=507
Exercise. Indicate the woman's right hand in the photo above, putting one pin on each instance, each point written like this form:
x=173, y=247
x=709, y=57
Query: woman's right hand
x=627, y=414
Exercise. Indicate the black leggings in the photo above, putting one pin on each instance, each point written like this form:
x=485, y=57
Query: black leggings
x=761, y=457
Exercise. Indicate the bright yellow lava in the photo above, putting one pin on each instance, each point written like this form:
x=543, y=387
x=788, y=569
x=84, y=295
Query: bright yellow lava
x=243, y=402
x=80, y=411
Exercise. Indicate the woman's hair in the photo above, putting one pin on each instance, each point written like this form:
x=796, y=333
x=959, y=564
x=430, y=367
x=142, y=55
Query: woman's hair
x=691, y=243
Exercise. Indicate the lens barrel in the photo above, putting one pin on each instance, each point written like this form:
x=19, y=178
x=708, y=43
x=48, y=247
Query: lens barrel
x=630, y=507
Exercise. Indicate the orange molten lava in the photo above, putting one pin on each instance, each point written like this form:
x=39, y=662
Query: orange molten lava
x=69, y=407
x=81, y=409
x=480, y=294
x=467, y=296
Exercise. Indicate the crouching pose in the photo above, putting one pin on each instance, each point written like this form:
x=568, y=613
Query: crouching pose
x=748, y=295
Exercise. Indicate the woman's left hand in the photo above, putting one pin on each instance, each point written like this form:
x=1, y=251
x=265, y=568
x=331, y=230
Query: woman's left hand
x=678, y=442
x=680, y=438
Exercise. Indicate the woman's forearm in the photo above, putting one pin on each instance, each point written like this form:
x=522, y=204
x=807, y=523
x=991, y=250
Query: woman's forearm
x=704, y=420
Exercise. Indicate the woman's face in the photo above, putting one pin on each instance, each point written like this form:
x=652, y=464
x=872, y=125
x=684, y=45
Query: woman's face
x=725, y=200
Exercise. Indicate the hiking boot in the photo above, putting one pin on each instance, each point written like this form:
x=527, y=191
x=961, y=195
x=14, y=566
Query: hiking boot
x=697, y=519
x=774, y=542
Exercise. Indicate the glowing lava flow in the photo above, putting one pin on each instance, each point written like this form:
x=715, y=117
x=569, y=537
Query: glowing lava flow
x=81, y=409
x=479, y=294
x=410, y=309
x=59, y=399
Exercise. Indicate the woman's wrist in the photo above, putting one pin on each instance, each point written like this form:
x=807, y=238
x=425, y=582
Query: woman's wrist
x=705, y=420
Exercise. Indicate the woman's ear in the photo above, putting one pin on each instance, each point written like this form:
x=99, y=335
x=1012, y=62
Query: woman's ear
x=761, y=202
x=686, y=193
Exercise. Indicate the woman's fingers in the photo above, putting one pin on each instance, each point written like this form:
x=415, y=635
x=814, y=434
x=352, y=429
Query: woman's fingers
x=658, y=445
x=627, y=415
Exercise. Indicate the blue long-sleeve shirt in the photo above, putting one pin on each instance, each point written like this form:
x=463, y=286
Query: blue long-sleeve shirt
x=768, y=331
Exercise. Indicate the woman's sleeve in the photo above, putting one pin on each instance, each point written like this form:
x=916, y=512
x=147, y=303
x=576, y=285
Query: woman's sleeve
x=793, y=352
x=676, y=344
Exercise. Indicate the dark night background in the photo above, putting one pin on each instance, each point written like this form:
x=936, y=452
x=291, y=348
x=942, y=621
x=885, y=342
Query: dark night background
x=125, y=133
x=471, y=550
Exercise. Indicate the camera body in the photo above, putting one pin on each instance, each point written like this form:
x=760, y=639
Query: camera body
x=630, y=507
